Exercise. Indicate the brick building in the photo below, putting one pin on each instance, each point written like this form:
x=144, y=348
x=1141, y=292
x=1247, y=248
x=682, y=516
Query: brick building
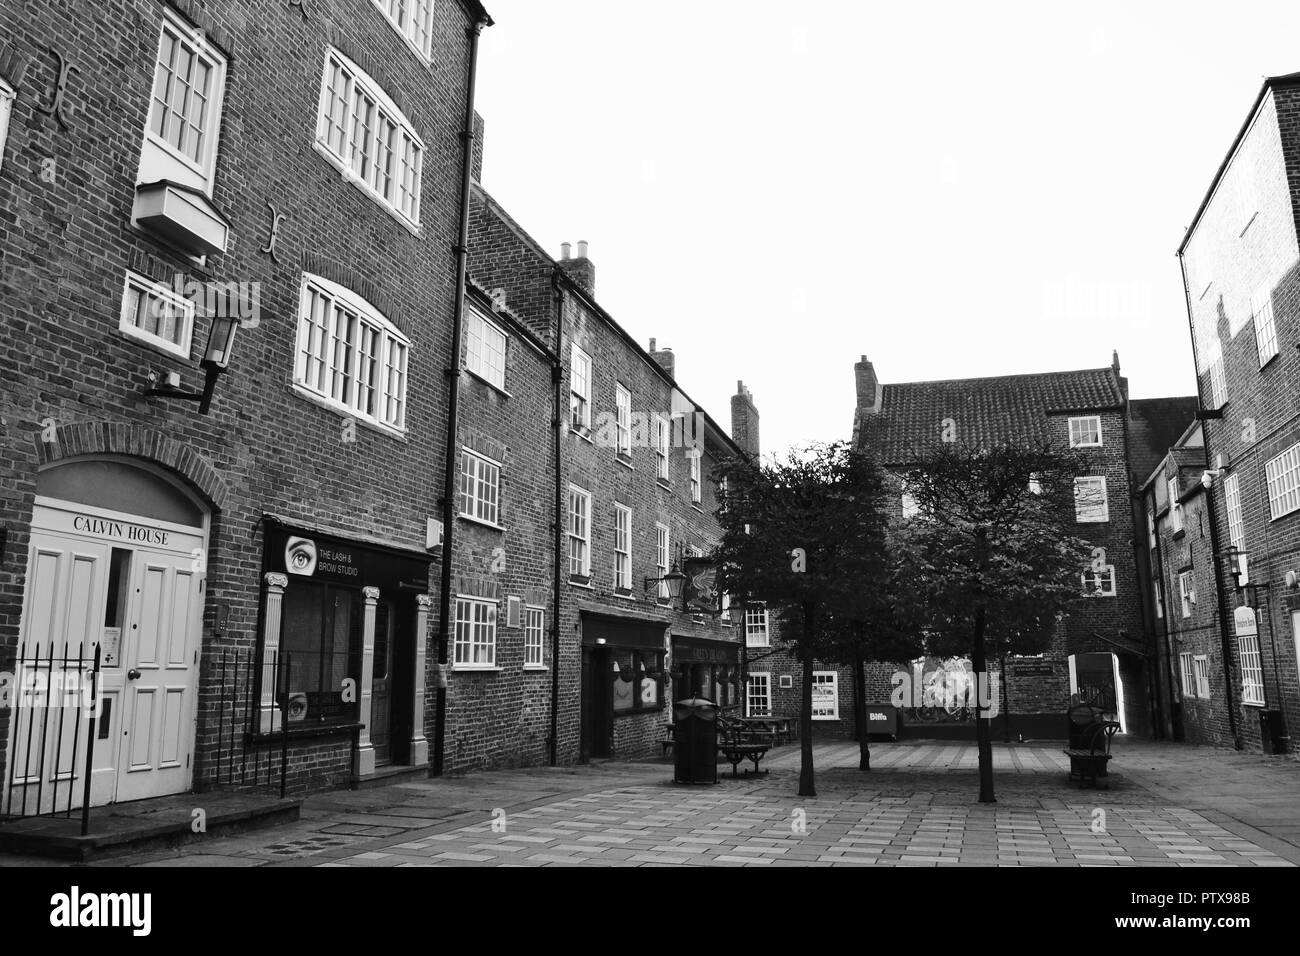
x=173, y=171
x=1182, y=596
x=1101, y=651
x=586, y=653
x=1241, y=272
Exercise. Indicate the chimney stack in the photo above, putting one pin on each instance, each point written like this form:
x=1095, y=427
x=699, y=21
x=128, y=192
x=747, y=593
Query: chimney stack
x=665, y=359
x=579, y=268
x=744, y=421
x=869, y=388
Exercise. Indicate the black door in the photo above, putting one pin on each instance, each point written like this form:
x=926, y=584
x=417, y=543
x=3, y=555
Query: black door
x=597, y=704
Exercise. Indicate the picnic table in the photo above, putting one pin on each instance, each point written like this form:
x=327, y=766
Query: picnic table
x=778, y=730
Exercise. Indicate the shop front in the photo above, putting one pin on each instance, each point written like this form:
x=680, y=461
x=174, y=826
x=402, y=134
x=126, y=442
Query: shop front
x=706, y=667
x=344, y=644
x=624, y=685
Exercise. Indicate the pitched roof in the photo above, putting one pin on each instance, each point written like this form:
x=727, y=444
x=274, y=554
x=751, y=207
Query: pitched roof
x=1010, y=408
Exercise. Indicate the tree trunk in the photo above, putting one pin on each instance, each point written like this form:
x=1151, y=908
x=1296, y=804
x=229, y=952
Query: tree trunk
x=982, y=738
x=860, y=712
x=807, y=788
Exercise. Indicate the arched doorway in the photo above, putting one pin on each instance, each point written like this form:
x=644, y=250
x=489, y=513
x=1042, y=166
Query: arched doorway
x=117, y=558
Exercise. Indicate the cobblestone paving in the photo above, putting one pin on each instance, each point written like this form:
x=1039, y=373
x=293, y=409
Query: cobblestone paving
x=1169, y=805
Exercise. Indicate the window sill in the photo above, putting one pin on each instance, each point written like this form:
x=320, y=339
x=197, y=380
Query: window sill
x=306, y=730
x=1179, y=534
x=490, y=384
x=625, y=462
x=1270, y=360
x=1251, y=703
x=475, y=669
x=161, y=346
x=583, y=433
x=481, y=523
x=665, y=485
x=695, y=505
x=624, y=595
x=640, y=711
x=574, y=583
x=327, y=404
x=535, y=668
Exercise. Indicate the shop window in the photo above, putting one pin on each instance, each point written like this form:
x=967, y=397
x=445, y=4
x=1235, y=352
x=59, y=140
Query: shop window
x=320, y=648
x=638, y=684
x=826, y=695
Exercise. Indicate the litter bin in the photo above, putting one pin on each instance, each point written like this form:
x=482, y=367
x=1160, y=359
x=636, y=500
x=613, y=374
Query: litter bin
x=1272, y=732
x=695, y=741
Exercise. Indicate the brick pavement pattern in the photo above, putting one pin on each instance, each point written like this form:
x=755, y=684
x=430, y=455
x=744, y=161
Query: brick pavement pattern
x=1169, y=805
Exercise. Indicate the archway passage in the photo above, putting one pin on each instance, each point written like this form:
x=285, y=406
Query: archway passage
x=116, y=561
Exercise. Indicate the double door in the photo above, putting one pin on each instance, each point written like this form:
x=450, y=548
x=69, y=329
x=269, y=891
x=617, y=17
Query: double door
x=134, y=588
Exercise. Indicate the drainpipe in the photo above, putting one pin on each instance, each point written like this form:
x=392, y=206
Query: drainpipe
x=1224, y=616
x=557, y=377
x=1169, y=677
x=453, y=399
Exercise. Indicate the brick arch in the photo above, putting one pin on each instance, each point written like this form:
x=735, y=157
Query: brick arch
x=136, y=441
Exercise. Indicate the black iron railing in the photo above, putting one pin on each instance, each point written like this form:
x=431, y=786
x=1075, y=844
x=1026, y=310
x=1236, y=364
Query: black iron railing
x=54, y=693
x=247, y=751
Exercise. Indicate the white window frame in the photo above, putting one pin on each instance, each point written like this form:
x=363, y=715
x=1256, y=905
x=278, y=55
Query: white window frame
x=1080, y=428
x=757, y=626
x=402, y=16
x=762, y=681
x=662, y=431
x=1175, y=505
x=725, y=606
x=1082, y=516
x=1151, y=525
x=1252, y=669
x=486, y=344
x=910, y=508
x=534, y=638
x=622, y=420
x=1099, y=585
x=1201, y=672
x=1261, y=309
x=6, y=111
x=663, y=542
x=696, y=457
x=821, y=678
x=1232, y=498
x=622, y=547
x=1282, y=474
x=405, y=152
x=580, y=373
x=1218, y=383
x=1158, y=597
x=157, y=293
x=159, y=158
x=475, y=640
x=1188, y=669
x=483, y=476
x=1187, y=592
x=579, y=532
x=318, y=346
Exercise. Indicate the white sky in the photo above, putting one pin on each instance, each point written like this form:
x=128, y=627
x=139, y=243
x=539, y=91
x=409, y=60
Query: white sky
x=953, y=189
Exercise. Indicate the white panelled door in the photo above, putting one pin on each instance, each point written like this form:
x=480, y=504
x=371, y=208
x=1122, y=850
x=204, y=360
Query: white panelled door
x=134, y=586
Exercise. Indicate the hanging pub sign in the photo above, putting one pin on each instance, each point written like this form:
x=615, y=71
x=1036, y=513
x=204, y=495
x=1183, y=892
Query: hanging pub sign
x=701, y=586
x=310, y=555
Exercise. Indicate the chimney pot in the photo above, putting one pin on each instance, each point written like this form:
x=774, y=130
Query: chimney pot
x=564, y=250
x=652, y=345
x=582, y=249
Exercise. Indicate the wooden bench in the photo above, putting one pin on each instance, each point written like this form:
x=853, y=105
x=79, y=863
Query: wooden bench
x=736, y=743
x=1089, y=759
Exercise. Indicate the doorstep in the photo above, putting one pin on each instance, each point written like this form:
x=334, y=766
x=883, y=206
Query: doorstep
x=144, y=824
x=384, y=776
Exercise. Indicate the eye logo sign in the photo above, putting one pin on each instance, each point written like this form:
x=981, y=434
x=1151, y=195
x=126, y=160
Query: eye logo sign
x=300, y=557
